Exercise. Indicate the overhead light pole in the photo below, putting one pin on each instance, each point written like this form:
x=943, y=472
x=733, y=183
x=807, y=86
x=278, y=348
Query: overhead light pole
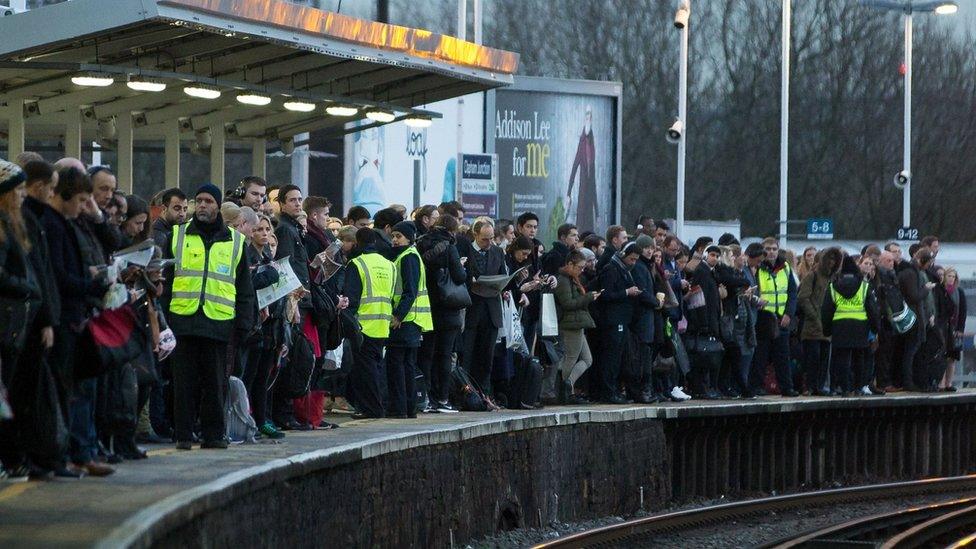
x=677, y=133
x=903, y=179
x=784, y=121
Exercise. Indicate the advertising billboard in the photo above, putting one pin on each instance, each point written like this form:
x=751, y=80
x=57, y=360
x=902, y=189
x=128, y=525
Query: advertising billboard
x=397, y=164
x=557, y=143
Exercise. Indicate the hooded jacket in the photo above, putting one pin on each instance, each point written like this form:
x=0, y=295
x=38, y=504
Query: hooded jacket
x=849, y=333
x=810, y=296
x=438, y=251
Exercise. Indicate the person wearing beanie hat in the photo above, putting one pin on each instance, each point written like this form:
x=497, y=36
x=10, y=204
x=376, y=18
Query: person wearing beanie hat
x=209, y=300
x=411, y=317
x=849, y=314
x=644, y=241
x=211, y=189
x=407, y=229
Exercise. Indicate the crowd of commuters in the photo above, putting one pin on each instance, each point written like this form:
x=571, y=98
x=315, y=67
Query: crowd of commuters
x=399, y=313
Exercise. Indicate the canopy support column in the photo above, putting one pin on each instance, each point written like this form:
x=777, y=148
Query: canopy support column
x=123, y=171
x=259, y=154
x=172, y=153
x=72, y=133
x=217, y=140
x=15, y=128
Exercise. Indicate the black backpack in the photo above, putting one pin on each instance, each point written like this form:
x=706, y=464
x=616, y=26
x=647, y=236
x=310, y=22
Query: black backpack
x=295, y=376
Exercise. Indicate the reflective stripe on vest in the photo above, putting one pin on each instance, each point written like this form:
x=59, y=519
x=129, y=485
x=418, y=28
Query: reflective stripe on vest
x=205, y=276
x=850, y=308
x=419, y=313
x=774, y=289
x=378, y=278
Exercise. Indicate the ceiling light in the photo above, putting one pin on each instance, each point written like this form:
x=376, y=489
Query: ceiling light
x=141, y=83
x=93, y=79
x=299, y=106
x=251, y=98
x=947, y=9
x=202, y=91
x=341, y=110
x=380, y=115
x=418, y=121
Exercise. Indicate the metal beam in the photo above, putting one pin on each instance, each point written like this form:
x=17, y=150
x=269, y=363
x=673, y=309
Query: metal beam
x=140, y=38
x=259, y=153
x=123, y=127
x=259, y=126
x=310, y=126
x=33, y=89
x=283, y=70
x=217, y=142
x=191, y=107
x=15, y=129
x=140, y=102
x=228, y=115
x=86, y=96
x=72, y=133
x=172, y=153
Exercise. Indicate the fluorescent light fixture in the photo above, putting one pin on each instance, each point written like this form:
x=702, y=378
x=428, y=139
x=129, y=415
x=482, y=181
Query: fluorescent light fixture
x=947, y=9
x=380, y=115
x=251, y=98
x=299, y=106
x=93, y=79
x=341, y=110
x=202, y=91
x=418, y=121
x=141, y=83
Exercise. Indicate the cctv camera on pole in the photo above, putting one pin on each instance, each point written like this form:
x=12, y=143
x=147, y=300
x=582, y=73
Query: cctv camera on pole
x=902, y=179
x=675, y=131
x=681, y=16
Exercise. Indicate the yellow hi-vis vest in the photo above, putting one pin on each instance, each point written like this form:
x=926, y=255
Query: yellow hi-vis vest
x=419, y=313
x=378, y=278
x=205, y=276
x=774, y=289
x=851, y=308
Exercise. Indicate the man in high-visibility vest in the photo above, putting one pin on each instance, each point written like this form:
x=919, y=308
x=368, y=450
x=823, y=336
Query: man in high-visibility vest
x=850, y=316
x=370, y=281
x=777, y=293
x=208, y=297
x=411, y=317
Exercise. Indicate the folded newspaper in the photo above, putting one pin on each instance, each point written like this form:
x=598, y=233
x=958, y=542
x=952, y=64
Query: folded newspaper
x=492, y=285
x=287, y=283
x=326, y=263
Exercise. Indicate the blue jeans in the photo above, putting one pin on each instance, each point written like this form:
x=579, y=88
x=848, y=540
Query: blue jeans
x=84, y=440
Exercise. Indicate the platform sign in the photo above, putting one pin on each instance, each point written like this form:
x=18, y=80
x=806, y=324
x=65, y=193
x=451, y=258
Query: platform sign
x=479, y=184
x=907, y=233
x=820, y=229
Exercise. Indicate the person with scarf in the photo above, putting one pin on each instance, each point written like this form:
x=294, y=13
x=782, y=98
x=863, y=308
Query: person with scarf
x=643, y=328
x=572, y=306
x=957, y=325
x=616, y=309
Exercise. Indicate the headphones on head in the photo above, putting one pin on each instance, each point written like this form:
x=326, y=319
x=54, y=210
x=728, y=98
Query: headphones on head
x=241, y=190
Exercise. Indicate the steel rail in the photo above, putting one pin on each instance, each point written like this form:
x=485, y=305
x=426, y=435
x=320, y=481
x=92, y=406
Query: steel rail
x=679, y=520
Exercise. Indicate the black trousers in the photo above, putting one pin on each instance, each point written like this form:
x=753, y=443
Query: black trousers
x=440, y=374
x=401, y=381
x=479, y=343
x=847, y=368
x=910, y=343
x=776, y=351
x=425, y=363
x=199, y=387
x=366, y=377
x=816, y=362
x=257, y=366
x=884, y=359
x=638, y=380
x=613, y=342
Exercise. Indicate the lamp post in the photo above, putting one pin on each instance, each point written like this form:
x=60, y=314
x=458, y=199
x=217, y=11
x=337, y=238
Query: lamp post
x=903, y=179
x=784, y=121
x=677, y=132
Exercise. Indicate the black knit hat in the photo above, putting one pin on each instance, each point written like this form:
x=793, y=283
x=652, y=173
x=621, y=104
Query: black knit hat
x=407, y=229
x=10, y=176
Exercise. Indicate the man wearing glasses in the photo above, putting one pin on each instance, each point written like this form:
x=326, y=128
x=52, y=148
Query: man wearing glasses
x=778, y=290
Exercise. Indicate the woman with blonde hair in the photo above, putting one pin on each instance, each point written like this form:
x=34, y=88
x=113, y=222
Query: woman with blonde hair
x=808, y=262
x=957, y=325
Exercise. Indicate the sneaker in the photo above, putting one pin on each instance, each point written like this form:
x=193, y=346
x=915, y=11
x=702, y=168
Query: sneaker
x=269, y=431
x=445, y=408
x=679, y=393
x=866, y=391
x=18, y=474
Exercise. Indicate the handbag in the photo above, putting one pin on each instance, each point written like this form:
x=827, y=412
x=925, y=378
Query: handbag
x=550, y=321
x=450, y=294
x=726, y=328
x=13, y=319
x=700, y=345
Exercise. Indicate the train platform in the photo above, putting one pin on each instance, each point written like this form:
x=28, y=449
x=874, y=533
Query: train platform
x=144, y=500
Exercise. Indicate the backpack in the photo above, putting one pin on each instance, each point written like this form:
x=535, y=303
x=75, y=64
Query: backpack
x=240, y=424
x=296, y=364
x=467, y=395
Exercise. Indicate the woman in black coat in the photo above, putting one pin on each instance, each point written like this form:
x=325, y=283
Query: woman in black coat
x=439, y=252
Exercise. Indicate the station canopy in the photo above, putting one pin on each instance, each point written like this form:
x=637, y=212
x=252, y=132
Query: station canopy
x=262, y=69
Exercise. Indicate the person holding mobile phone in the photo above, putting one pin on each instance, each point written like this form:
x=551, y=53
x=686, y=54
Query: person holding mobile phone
x=572, y=306
x=616, y=309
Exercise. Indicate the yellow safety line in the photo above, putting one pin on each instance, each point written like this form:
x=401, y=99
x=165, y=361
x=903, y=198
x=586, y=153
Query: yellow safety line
x=16, y=490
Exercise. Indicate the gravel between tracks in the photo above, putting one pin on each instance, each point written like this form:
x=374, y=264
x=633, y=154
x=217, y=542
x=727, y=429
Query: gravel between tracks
x=743, y=532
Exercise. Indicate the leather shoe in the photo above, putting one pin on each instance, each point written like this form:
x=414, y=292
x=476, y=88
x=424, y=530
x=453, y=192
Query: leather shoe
x=69, y=471
x=97, y=469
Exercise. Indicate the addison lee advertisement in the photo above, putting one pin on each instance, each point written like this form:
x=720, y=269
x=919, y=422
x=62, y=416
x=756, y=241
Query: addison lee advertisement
x=556, y=156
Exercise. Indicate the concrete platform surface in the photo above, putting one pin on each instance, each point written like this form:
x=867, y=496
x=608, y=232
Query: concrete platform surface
x=166, y=488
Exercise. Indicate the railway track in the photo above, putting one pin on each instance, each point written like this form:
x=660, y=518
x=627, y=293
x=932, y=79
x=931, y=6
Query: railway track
x=923, y=526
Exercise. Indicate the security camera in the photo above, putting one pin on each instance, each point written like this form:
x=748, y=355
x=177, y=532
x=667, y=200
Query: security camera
x=675, y=131
x=4, y=11
x=902, y=179
x=288, y=146
x=107, y=128
x=681, y=16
